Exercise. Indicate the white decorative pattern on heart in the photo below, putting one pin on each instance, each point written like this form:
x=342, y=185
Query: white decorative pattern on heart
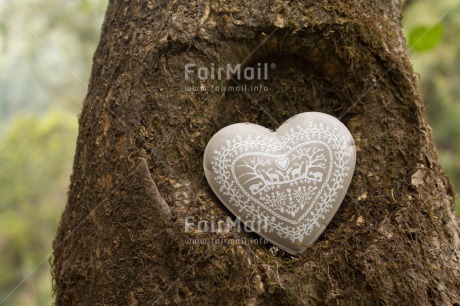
x=224, y=164
x=290, y=182
x=282, y=163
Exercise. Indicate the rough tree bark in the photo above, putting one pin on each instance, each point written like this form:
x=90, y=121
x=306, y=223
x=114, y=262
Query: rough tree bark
x=395, y=239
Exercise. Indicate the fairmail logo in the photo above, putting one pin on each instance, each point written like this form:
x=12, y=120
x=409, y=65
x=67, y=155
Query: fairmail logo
x=236, y=73
x=229, y=71
x=222, y=225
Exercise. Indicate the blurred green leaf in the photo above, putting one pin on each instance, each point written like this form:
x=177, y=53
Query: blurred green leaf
x=423, y=38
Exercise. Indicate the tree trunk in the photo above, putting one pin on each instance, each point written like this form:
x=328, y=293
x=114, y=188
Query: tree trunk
x=395, y=239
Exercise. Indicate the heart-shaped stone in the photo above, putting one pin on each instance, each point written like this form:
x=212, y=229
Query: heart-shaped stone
x=285, y=185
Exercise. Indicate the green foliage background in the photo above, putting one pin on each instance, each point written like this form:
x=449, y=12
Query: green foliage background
x=46, y=48
x=435, y=56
